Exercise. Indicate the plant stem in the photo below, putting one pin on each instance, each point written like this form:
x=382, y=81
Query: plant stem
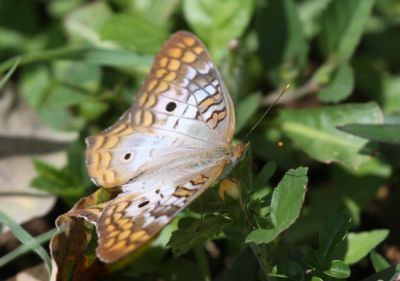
x=43, y=56
x=264, y=266
x=202, y=261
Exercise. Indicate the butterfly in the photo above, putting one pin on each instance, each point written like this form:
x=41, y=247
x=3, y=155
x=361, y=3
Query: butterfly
x=172, y=144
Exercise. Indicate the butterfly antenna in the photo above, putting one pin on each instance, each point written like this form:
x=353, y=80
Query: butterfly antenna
x=284, y=90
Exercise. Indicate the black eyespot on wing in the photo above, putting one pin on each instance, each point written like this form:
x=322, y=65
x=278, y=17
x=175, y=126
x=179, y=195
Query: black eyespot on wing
x=141, y=205
x=127, y=156
x=170, y=106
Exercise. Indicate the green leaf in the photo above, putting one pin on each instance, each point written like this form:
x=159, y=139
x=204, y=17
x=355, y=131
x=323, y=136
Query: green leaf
x=264, y=175
x=358, y=188
x=58, y=182
x=362, y=184
x=392, y=274
x=52, y=91
x=378, y=262
x=76, y=165
x=390, y=92
x=333, y=231
x=34, y=85
x=262, y=235
x=12, y=39
x=338, y=269
x=79, y=75
x=310, y=13
x=118, y=58
x=10, y=72
x=92, y=109
x=292, y=270
x=387, y=133
x=286, y=202
x=26, y=239
x=51, y=173
x=392, y=118
x=246, y=110
x=60, y=96
x=215, y=27
x=314, y=131
x=46, y=93
x=288, y=197
x=134, y=33
x=341, y=85
x=82, y=24
x=185, y=238
x=280, y=36
x=155, y=11
x=360, y=244
x=61, y=118
x=342, y=26
x=59, y=8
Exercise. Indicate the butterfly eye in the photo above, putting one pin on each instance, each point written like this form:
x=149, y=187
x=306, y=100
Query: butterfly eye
x=170, y=106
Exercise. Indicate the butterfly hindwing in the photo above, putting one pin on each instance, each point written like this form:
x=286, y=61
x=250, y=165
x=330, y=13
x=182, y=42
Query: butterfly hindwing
x=130, y=221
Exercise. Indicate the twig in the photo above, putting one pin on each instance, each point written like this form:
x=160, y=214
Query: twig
x=311, y=87
x=25, y=194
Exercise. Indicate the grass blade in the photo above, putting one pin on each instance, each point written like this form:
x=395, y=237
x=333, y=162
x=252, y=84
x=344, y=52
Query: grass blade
x=26, y=238
x=10, y=72
x=31, y=245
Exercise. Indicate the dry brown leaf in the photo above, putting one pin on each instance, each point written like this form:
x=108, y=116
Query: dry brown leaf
x=70, y=251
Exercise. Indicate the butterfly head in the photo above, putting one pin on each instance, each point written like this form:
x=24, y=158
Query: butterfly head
x=239, y=151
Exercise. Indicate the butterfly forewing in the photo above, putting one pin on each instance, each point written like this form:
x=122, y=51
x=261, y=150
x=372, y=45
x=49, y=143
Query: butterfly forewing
x=182, y=105
x=187, y=85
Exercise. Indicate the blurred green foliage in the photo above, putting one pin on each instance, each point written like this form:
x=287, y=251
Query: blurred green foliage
x=81, y=62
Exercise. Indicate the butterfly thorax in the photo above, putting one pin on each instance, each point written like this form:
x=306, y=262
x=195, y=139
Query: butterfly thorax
x=235, y=153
